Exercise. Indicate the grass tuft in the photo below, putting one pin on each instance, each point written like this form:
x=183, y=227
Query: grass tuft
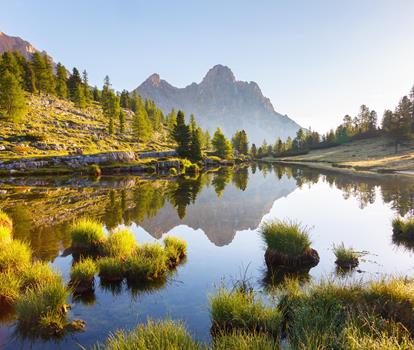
x=37, y=275
x=10, y=285
x=240, y=310
x=244, y=341
x=5, y=220
x=83, y=271
x=175, y=248
x=120, y=243
x=403, y=228
x=86, y=234
x=14, y=256
x=345, y=256
x=286, y=237
x=159, y=335
x=111, y=269
x=5, y=234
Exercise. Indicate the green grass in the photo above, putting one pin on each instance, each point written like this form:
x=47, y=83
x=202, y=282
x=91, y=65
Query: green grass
x=40, y=304
x=245, y=341
x=5, y=220
x=175, y=248
x=241, y=310
x=37, y=275
x=119, y=243
x=286, y=237
x=5, y=234
x=14, y=256
x=345, y=255
x=10, y=285
x=86, y=234
x=111, y=269
x=83, y=271
x=154, y=335
x=148, y=263
x=403, y=228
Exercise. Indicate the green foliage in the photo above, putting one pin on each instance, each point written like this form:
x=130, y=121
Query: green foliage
x=61, y=81
x=10, y=285
x=286, y=237
x=239, y=309
x=182, y=136
x=43, y=70
x=345, y=255
x=122, y=122
x=38, y=274
x=240, y=142
x=119, y=243
x=111, y=269
x=221, y=146
x=148, y=263
x=141, y=124
x=38, y=304
x=403, y=228
x=5, y=234
x=86, y=234
x=244, y=341
x=83, y=271
x=14, y=256
x=175, y=248
x=12, y=100
x=160, y=335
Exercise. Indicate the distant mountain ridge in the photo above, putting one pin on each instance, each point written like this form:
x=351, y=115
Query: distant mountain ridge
x=15, y=43
x=221, y=100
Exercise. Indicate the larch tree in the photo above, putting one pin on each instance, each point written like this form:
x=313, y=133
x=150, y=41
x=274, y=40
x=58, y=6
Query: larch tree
x=12, y=99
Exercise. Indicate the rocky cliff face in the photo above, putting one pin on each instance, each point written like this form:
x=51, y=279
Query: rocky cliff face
x=12, y=43
x=221, y=100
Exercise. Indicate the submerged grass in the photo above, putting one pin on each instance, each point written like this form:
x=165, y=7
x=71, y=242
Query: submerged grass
x=156, y=335
x=239, y=309
x=120, y=243
x=86, y=234
x=14, y=256
x=286, y=237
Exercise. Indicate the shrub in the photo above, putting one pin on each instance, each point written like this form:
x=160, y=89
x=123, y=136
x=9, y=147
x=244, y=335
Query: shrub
x=111, y=269
x=244, y=341
x=175, y=249
x=148, y=263
x=5, y=234
x=86, y=234
x=37, y=275
x=403, y=228
x=39, y=304
x=14, y=256
x=10, y=285
x=286, y=237
x=160, y=335
x=240, y=310
x=346, y=257
x=120, y=243
x=5, y=220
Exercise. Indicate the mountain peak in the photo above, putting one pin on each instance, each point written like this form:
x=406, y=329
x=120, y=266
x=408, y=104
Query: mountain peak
x=154, y=79
x=219, y=73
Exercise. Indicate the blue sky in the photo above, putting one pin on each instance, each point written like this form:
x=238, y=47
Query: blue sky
x=316, y=60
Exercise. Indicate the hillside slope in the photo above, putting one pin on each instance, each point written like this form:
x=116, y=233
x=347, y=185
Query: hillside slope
x=56, y=127
x=378, y=154
x=221, y=100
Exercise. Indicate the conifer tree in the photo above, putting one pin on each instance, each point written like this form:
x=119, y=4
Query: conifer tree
x=122, y=121
x=61, y=81
x=96, y=94
x=141, y=125
x=29, y=77
x=49, y=77
x=253, y=151
x=221, y=146
x=79, y=98
x=195, y=146
x=86, y=88
x=182, y=136
x=12, y=99
x=74, y=82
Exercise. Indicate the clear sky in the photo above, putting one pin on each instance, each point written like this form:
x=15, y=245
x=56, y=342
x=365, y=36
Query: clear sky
x=317, y=60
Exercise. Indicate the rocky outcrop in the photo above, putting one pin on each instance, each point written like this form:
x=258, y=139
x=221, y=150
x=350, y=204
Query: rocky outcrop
x=12, y=43
x=221, y=100
x=68, y=161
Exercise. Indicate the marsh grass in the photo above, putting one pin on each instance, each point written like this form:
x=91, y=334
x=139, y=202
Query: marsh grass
x=5, y=220
x=157, y=335
x=244, y=341
x=14, y=256
x=10, y=285
x=176, y=249
x=41, y=307
x=5, y=234
x=148, y=263
x=119, y=243
x=403, y=228
x=111, y=269
x=82, y=275
x=86, y=234
x=38, y=274
x=286, y=237
x=240, y=310
x=346, y=257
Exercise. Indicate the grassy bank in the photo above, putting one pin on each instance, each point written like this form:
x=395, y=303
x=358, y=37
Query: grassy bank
x=375, y=154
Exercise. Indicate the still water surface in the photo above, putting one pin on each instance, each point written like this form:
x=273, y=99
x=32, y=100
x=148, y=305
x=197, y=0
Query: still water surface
x=218, y=214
